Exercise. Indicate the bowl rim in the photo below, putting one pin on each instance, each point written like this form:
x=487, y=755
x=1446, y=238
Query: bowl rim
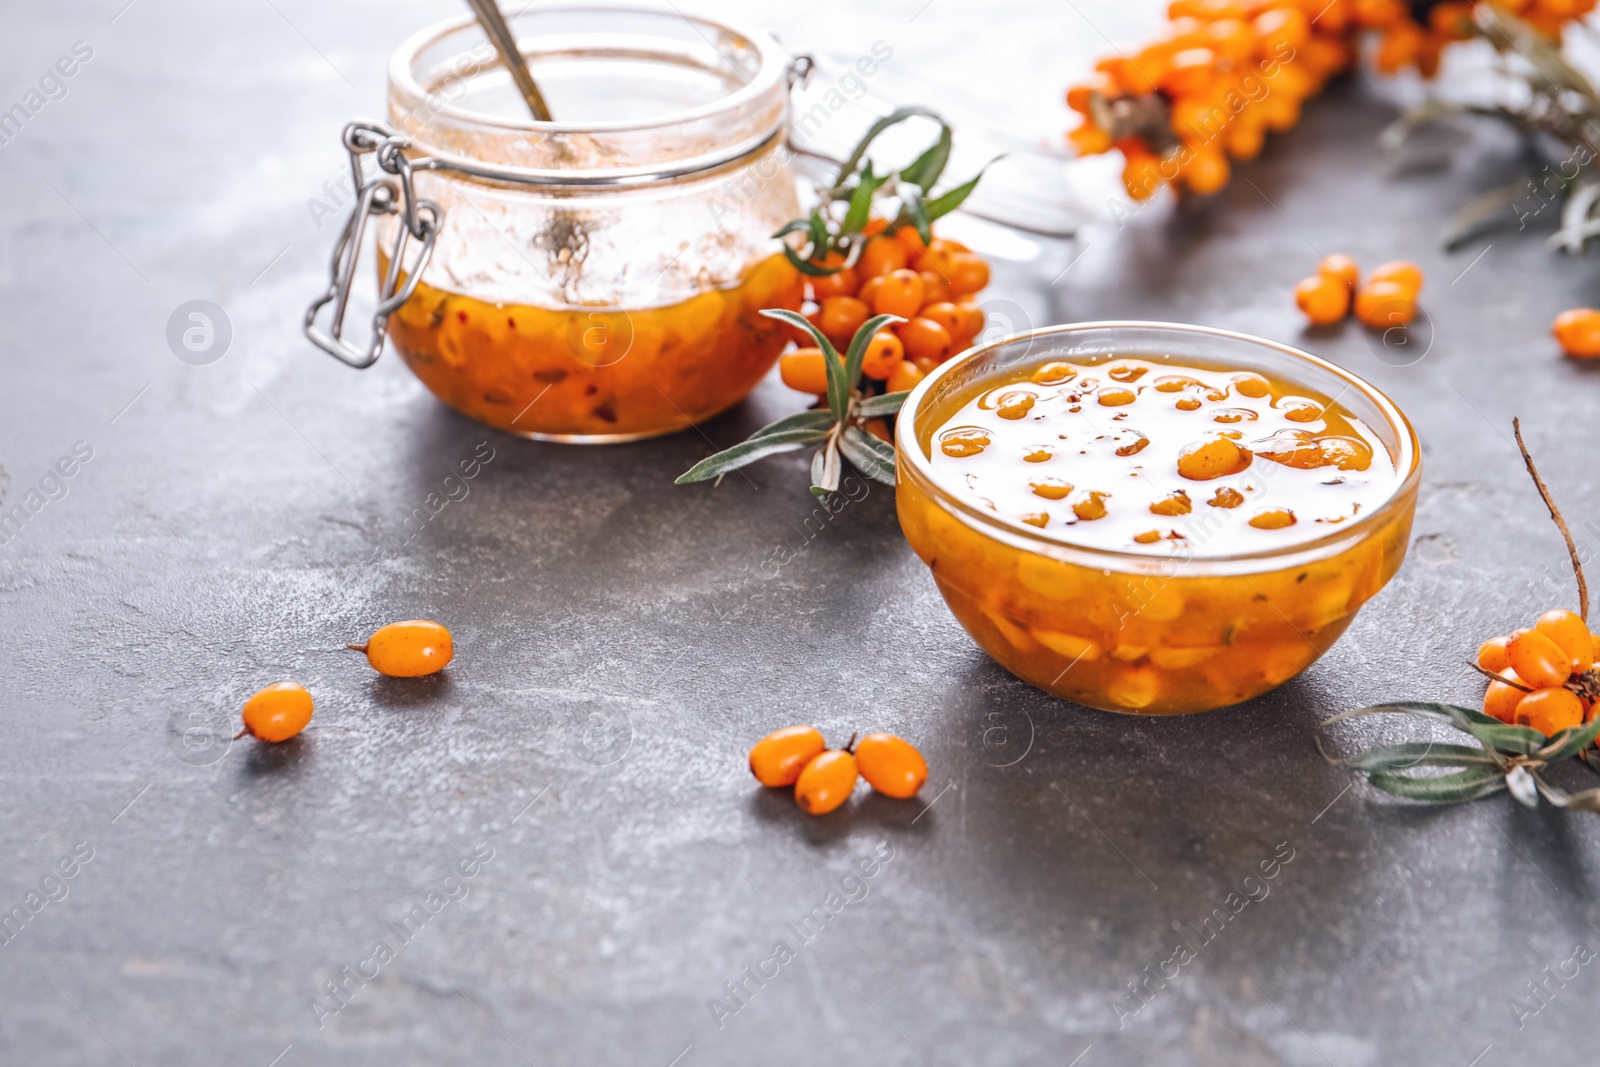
x=1029, y=538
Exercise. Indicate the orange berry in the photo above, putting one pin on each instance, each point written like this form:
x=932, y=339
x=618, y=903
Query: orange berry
x=842, y=282
x=1500, y=702
x=880, y=256
x=1343, y=267
x=891, y=766
x=936, y=258
x=1400, y=272
x=880, y=429
x=1325, y=298
x=868, y=293
x=1189, y=72
x=804, y=370
x=1282, y=27
x=1089, y=139
x=1578, y=332
x=826, y=782
x=1452, y=20
x=1126, y=75
x=883, y=354
x=778, y=758
x=840, y=317
x=1399, y=45
x=1232, y=38
x=277, y=712
x=1493, y=655
x=1141, y=175
x=900, y=294
x=908, y=236
x=969, y=272
x=905, y=376
x=1096, y=83
x=1245, y=140
x=1538, y=660
x=1571, y=635
x=926, y=339
x=1381, y=305
x=951, y=317
x=935, y=290
x=1549, y=710
x=1207, y=171
x=408, y=649
x=974, y=318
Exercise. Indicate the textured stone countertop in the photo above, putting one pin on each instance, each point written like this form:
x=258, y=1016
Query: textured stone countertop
x=621, y=643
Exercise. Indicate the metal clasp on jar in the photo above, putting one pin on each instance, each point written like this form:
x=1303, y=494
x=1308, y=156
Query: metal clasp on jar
x=381, y=195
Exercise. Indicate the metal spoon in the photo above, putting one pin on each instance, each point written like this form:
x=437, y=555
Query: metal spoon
x=494, y=25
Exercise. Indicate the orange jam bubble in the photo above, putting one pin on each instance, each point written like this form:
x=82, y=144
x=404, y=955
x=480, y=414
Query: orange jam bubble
x=1209, y=564
x=597, y=372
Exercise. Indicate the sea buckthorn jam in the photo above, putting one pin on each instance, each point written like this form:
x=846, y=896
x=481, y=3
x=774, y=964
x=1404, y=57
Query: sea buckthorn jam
x=591, y=278
x=597, y=371
x=1153, y=533
x=1161, y=457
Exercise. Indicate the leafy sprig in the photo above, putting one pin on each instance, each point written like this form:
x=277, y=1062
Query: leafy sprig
x=836, y=427
x=839, y=222
x=1508, y=756
x=1513, y=758
x=1561, y=105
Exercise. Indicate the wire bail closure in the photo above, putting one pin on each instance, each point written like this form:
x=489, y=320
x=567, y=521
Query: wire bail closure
x=421, y=220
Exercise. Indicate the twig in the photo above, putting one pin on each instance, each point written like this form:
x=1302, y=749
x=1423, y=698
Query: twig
x=1561, y=523
x=1498, y=677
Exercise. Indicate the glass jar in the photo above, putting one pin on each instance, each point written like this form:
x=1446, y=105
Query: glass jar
x=1146, y=633
x=596, y=278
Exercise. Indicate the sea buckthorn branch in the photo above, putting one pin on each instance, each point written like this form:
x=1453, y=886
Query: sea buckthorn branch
x=1542, y=708
x=837, y=427
x=1223, y=73
x=838, y=227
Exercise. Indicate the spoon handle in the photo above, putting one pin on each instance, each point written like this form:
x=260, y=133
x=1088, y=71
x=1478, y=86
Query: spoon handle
x=494, y=25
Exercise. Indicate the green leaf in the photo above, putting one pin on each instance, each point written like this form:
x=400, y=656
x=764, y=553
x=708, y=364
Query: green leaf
x=1520, y=740
x=1470, y=784
x=800, y=420
x=795, y=226
x=879, y=406
x=858, y=346
x=946, y=202
x=861, y=201
x=838, y=388
x=805, y=266
x=898, y=115
x=1417, y=754
x=1569, y=742
x=1454, y=714
x=747, y=452
x=1394, y=136
x=819, y=234
x=913, y=207
x=1486, y=212
x=826, y=467
x=924, y=171
x=868, y=455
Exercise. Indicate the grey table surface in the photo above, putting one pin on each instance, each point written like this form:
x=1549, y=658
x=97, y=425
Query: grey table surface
x=621, y=642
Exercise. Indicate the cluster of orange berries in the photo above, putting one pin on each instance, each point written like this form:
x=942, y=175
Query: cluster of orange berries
x=1578, y=333
x=824, y=778
x=931, y=286
x=408, y=649
x=1225, y=72
x=1545, y=675
x=1387, y=298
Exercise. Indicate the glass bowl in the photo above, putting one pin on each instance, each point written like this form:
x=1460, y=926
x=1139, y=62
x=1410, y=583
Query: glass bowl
x=1150, y=634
